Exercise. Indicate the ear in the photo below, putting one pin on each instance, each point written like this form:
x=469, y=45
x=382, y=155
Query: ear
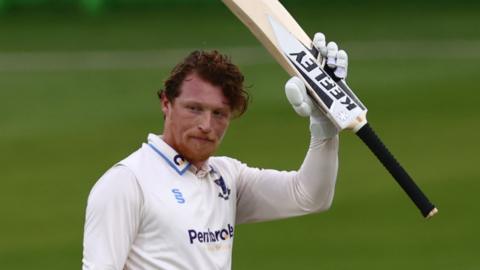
x=166, y=105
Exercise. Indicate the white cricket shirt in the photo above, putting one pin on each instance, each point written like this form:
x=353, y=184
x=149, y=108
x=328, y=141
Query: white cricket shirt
x=154, y=210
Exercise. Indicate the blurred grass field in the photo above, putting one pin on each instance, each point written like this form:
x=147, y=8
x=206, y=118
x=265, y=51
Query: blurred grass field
x=78, y=94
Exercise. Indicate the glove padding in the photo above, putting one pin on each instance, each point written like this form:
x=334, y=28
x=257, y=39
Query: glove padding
x=320, y=126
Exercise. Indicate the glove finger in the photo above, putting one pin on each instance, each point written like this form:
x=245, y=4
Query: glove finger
x=294, y=89
x=342, y=64
x=332, y=51
x=303, y=110
x=320, y=43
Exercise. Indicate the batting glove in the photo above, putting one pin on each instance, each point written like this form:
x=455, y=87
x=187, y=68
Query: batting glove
x=337, y=60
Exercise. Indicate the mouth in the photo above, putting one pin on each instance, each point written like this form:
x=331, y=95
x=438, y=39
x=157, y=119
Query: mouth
x=203, y=139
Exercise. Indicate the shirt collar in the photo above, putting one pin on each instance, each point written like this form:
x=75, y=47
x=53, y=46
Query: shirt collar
x=202, y=171
x=172, y=157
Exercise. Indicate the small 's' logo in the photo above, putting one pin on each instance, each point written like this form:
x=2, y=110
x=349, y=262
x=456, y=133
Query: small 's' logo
x=225, y=193
x=178, y=195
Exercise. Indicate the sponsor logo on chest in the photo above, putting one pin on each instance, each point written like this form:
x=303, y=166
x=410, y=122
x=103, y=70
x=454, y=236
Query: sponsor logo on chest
x=211, y=236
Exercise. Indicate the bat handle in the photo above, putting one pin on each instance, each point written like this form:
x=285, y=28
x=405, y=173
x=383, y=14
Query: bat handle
x=368, y=136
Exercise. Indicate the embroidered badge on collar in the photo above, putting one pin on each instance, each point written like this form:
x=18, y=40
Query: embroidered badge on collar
x=176, y=161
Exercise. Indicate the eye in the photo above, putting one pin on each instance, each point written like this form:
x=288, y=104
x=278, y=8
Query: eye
x=220, y=114
x=194, y=108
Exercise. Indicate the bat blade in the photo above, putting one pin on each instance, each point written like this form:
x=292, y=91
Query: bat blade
x=278, y=31
x=329, y=96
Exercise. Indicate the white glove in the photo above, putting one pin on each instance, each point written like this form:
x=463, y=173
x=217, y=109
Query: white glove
x=336, y=59
x=320, y=126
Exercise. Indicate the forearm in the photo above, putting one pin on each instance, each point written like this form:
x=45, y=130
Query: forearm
x=271, y=194
x=314, y=184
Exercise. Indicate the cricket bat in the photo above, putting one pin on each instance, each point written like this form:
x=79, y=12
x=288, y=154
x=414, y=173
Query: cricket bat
x=286, y=41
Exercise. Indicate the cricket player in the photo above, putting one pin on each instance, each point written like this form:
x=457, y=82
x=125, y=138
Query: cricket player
x=173, y=205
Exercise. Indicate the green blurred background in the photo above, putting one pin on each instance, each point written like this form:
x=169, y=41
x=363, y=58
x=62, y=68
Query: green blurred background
x=77, y=94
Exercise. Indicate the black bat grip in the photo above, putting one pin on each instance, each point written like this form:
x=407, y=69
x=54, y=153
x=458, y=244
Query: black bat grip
x=368, y=136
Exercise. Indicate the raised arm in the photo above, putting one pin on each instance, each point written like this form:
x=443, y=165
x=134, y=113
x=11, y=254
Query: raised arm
x=271, y=194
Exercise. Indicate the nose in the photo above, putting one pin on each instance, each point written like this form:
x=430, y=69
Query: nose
x=205, y=124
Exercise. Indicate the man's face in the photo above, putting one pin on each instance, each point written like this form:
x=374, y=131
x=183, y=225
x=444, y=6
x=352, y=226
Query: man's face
x=196, y=120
